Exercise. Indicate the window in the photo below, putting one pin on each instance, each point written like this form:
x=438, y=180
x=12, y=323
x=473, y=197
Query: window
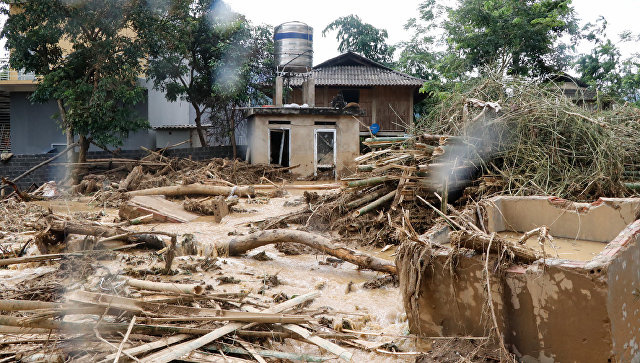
x=351, y=95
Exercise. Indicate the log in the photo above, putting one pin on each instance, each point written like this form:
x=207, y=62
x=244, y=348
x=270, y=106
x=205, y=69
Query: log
x=298, y=186
x=55, y=256
x=480, y=241
x=65, y=228
x=144, y=348
x=632, y=186
x=166, y=287
x=132, y=180
x=240, y=245
x=367, y=198
x=196, y=189
x=375, y=204
x=177, y=351
x=367, y=182
x=266, y=353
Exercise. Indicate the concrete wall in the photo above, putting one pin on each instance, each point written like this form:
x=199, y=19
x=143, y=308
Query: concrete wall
x=565, y=219
x=549, y=311
x=33, y=130
x=168, y=137
x=301, y=131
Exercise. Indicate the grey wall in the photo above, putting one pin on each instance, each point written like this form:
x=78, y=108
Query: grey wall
x=32, y=128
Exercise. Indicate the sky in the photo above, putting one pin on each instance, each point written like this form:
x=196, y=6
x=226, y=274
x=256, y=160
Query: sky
x=621, y=15
x=392, y=15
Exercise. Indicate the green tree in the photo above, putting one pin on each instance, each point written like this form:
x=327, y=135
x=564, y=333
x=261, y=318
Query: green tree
x=190, y=43
x=605, y=69
x=94, y=78
x=361, y=38
x=522, y=37
x=244, y=78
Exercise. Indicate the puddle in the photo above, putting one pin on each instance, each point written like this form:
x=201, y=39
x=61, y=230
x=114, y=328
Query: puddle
x=566, y=248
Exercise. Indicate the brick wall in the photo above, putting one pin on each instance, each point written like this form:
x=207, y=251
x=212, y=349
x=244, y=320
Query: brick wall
x=18, y=164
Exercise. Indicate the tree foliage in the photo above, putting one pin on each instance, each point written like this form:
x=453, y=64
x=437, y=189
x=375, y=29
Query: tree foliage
x=605, y=69
x=362, y=38
x=521, y=35
x=88, y=60
x=202, y=52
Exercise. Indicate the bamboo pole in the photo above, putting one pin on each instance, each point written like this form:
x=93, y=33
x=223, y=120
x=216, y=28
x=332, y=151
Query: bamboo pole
x=195, y=189
x=366, y=199
x=375, y=204
x=177, y=351
x=367, y=182
x=266, y=353
x=632, y=186
x=194, y=289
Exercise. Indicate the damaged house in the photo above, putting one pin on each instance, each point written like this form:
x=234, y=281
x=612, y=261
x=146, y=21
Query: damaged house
x=332, y=106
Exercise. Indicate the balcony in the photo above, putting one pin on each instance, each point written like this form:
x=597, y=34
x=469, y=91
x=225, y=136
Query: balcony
x=12, y=80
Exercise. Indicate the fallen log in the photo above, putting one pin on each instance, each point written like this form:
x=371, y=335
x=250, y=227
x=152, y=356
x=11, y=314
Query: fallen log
x=375, y=204
x=240, y=245
x=55, y=256
x=196, y=189
x=64, y=228
x=480, y=241
x=166, y=286
x=367, y=182
x=132, y=180
x=367, y=198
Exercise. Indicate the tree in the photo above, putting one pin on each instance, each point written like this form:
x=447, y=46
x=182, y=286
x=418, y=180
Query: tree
x=605, y=69
x=523, y=37
x=248, y=71
x=88, y=61
x=190, y=45
x=361, y=38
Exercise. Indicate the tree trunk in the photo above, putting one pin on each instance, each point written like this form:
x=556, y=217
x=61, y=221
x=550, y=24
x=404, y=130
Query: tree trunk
x=203, y=139
x=81, y=168
x=70, y=139
x=243, y=244
x=232, y=134
x=196, y=189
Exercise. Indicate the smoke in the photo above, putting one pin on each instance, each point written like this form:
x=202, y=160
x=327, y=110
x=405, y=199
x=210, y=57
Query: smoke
x=461, y=157
x=221, y=15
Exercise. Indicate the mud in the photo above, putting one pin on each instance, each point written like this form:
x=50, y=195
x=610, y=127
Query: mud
x=379, y=312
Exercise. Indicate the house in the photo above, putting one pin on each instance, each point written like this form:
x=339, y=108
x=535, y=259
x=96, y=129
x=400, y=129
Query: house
x=314, y=139
x=308, y=132
x=578, y=91
x=386, y=96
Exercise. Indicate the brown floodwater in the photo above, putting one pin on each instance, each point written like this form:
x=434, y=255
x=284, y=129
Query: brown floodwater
x=565, y=248
x=379, y=312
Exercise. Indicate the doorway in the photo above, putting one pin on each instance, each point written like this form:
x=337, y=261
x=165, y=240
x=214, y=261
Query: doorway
x=279, y=146
x=324, y=150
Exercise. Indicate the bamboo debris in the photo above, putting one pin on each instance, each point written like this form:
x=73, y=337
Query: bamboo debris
x=177, y=351
x=166, y=287
x=243, y=244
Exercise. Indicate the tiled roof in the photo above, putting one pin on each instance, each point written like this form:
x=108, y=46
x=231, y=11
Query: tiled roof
x=359, y=76
x=353, y=70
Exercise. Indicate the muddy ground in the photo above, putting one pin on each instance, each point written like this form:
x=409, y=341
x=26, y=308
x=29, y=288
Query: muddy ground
x=364, y=303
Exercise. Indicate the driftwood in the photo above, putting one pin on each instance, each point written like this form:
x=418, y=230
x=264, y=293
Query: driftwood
x=177, y=351
x=480, y=241
x=166, y=286
x=375, y=204
x=132, y=180
x=196, y=189
x=243, y=244
x=55, y=256
x=64, y=228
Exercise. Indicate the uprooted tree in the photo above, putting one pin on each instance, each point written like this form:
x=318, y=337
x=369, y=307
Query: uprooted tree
x=88, y=61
